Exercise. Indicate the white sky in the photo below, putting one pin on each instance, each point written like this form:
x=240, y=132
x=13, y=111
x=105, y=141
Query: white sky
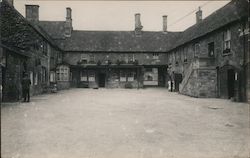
x=119, y=15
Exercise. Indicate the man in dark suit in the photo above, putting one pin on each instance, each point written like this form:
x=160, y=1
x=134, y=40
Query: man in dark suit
x=26, y=87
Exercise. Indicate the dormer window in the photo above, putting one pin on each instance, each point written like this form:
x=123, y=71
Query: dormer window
x=91, y=58
x=155, y=55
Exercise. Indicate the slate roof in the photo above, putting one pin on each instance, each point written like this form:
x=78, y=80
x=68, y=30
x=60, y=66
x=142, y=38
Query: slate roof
x=54, y=28
x=120, y=41
x=126, y=41
x=231, y=12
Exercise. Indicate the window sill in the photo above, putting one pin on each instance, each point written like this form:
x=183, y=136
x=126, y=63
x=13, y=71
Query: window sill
x=227, y=54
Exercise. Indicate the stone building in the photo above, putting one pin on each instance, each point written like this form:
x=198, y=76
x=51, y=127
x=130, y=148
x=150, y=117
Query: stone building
x=25, y=48
x=112, y=59
x=212, y=56
x=209, y=59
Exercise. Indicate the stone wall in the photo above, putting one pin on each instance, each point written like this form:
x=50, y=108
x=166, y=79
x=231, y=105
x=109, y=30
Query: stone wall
x=30, y=51
x=179, y=59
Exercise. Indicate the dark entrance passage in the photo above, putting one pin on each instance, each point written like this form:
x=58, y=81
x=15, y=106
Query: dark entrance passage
x=230, y=83
x=177, y=81
x=101, y=79
x=161, y=76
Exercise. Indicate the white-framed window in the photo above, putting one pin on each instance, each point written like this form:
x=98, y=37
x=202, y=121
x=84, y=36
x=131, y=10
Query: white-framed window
x=36, y=79
x=155, y=55
x=31, y=78
x=123, y=76
x=227, y=40
x=131, y=76
x=62, y=73
x=52, y=76
x=91, y=58
x=91, y=76
x=84, y=75
x=84, y=58
x=196, y=49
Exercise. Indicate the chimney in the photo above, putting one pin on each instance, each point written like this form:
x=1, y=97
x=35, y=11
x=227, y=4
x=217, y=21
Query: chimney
x=198, y=16
x=10, y=2
x=68, y=23
x=32, y=12
x=138, y=26
x=165, y=23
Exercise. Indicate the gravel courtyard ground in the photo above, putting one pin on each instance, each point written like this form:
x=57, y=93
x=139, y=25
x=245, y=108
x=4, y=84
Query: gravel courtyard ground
x=124, y=123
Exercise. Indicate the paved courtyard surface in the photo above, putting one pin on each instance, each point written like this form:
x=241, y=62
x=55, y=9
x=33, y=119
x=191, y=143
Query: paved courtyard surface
x=124, y=123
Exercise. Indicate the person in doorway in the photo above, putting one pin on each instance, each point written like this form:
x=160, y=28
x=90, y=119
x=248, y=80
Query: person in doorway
x=26, y=87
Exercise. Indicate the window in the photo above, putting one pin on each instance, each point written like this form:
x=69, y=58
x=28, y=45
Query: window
x=227, y=41
x=123, y=76
x=52, y=76
x=36, y=79
x=131, y=76
x=196, y=49
x=84, y=59
x=91, y=58
x=155, y=55
x=131, y=58
x=84, y=76
x=149, y=78
x=44, y=47
x=185, y=55
x=43, y=75
x=31, y=78
x=211, y=49
x=62, y=73
x=91, y=76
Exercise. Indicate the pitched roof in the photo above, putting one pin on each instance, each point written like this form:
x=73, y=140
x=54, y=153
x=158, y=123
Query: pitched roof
x=17, y=33
x=118, y=41
x=231, y=12
x=126, y=41
x=54, y=28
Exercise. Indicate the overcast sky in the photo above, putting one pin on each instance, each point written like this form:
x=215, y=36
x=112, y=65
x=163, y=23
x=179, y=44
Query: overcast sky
x=119, y=15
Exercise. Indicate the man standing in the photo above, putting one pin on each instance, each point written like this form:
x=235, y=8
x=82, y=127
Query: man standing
x=26, y=87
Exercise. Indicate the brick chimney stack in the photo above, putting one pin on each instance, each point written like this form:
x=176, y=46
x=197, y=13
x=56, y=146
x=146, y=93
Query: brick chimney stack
x=10, y=2
x=68, y=23
x=198, y=16
x=32, y=12
x=138, y=26
x=165, y=23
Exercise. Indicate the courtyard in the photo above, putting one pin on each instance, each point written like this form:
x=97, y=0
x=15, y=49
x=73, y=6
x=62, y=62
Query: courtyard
x=124, y=123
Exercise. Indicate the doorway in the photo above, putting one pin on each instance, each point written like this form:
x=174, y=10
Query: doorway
x=102, y=78
x=230, y=82
x=177, y=81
